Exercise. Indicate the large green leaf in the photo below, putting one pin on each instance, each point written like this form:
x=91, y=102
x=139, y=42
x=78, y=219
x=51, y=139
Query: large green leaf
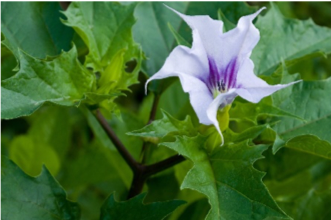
x=291, y=39
x=135, y=209
x=105, y=27
x=35, y=28
x=310, y=101
x=25, y=197
x=62, y=81
x=229, y=180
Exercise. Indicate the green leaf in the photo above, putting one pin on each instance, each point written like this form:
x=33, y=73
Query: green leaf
x=228, y=25
x=25, y=197
x=105, y=27
x=135, y=209
x=158, y=129
x=35, y=28
x=291, y=39
x=220, y=177
x=251, y=111
x=308, y=100
x=310, y=144
x=61, y=81
x=250, y=133
x=179, y=39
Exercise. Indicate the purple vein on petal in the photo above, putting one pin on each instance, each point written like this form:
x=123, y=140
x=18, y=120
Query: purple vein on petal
x=214, y=76
x=230, y=76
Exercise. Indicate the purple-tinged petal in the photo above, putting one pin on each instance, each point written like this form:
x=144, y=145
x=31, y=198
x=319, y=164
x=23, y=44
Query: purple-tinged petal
x=214, y=75
x=206, y=31
x=255, y=94
x=230, y=74
x=239, y=42
x=182, y=59
x=246, y=77
x=220, y=101
x=251, y=87
x=188, y=65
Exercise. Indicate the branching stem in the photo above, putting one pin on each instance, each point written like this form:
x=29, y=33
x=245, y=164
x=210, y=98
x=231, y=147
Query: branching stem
x=140, y=171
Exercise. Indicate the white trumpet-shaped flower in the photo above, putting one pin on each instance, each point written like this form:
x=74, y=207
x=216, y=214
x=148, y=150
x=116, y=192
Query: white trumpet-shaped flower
x=218, y=66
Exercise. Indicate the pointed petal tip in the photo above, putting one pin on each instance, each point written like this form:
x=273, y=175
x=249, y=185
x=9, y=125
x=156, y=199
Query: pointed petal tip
x=220, y=133
x=261, y=9
x=146, y=84
x=214, y=106
x=257, y=13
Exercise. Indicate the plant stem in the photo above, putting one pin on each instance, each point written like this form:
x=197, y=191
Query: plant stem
x=154, y=108
x=133, y=164
x=146, y=171
x=150, y=120
x=140, y=172
x=163, y=165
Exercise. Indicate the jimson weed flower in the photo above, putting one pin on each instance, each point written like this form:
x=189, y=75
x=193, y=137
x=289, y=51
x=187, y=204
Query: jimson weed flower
x=218, y=66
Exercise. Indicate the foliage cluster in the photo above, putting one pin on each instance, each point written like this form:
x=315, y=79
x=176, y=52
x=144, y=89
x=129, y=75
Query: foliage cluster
x=68, y=75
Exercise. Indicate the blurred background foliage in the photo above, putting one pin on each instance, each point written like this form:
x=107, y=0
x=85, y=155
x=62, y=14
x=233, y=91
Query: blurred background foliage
x=63, y=140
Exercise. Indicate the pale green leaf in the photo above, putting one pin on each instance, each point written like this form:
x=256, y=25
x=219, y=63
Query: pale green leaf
x=52, y=126
x=30, y=155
